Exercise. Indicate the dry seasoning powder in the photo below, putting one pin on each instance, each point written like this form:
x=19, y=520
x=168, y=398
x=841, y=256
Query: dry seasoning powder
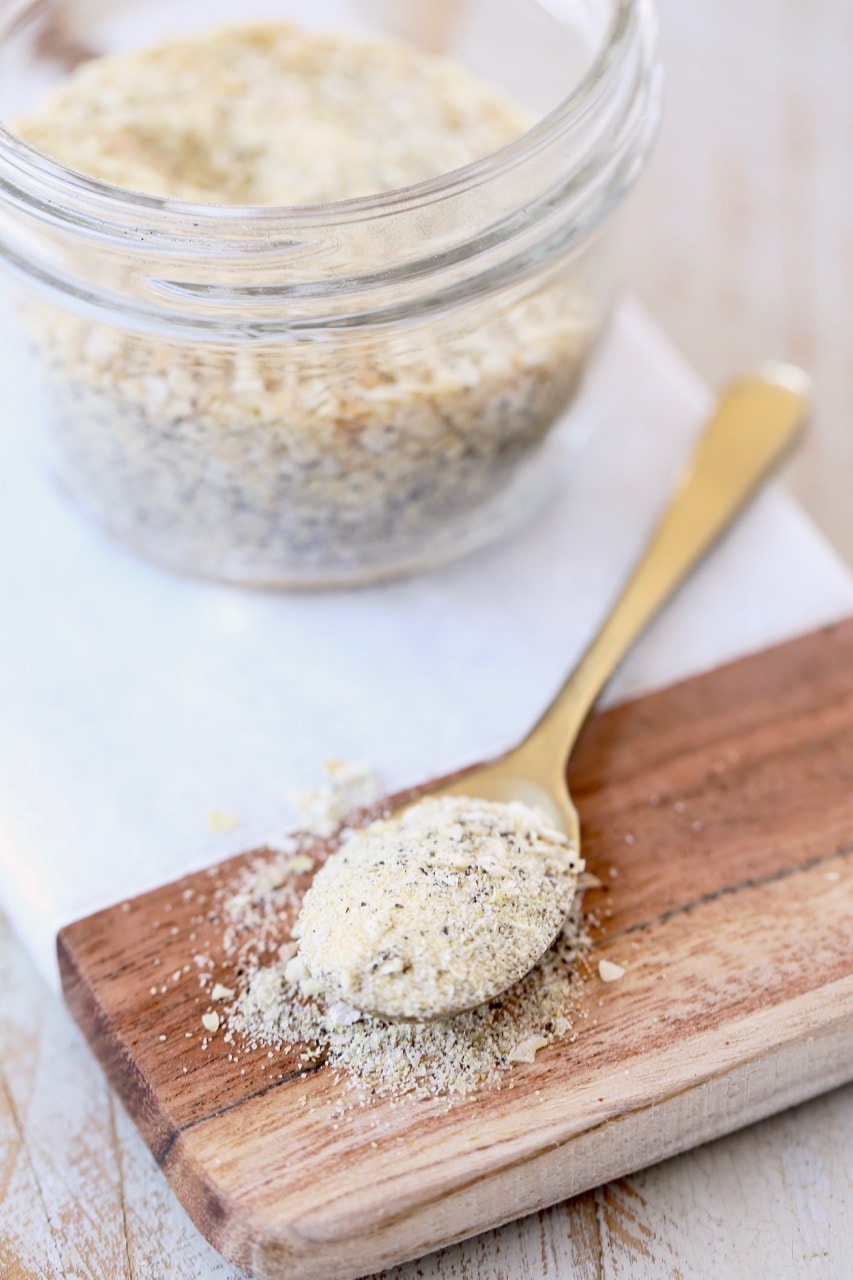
x=444, y=1057
x=270, y=115
x=305, y=461
x=450, y=1056
x=436, y=909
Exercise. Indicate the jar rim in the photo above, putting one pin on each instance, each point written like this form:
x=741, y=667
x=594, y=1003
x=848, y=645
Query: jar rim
x=304, y=271
x=98, y=201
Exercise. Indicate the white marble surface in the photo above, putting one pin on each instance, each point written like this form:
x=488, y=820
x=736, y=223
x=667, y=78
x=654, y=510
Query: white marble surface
x=135, y=702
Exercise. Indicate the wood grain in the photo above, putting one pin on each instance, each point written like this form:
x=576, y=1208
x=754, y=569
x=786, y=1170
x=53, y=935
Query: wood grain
x=741, y=236
x=719, y=814
x=81, y=1196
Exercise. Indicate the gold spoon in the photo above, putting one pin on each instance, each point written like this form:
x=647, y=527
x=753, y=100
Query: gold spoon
x=755, y=420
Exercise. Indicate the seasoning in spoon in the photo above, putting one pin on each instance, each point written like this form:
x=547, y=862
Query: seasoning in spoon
x=435, y=910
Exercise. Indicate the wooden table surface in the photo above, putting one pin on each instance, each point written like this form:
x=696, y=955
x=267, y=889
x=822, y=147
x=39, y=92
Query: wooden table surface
x=742, y=246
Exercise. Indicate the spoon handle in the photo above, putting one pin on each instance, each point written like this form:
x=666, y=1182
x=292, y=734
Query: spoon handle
x=756, y=419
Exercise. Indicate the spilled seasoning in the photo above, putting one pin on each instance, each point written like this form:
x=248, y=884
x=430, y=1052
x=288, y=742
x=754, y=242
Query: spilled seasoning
x=259, y=1000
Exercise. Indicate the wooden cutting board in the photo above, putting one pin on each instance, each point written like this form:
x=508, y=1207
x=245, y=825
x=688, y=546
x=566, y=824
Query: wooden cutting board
x=719, y=816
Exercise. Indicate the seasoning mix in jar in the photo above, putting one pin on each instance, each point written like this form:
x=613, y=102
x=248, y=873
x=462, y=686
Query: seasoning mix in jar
x=308, y=294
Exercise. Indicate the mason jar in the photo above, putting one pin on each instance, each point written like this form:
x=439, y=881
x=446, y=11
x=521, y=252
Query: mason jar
x=328, y=394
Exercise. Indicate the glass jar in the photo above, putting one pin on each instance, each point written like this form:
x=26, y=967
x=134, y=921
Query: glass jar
x=328, y=394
